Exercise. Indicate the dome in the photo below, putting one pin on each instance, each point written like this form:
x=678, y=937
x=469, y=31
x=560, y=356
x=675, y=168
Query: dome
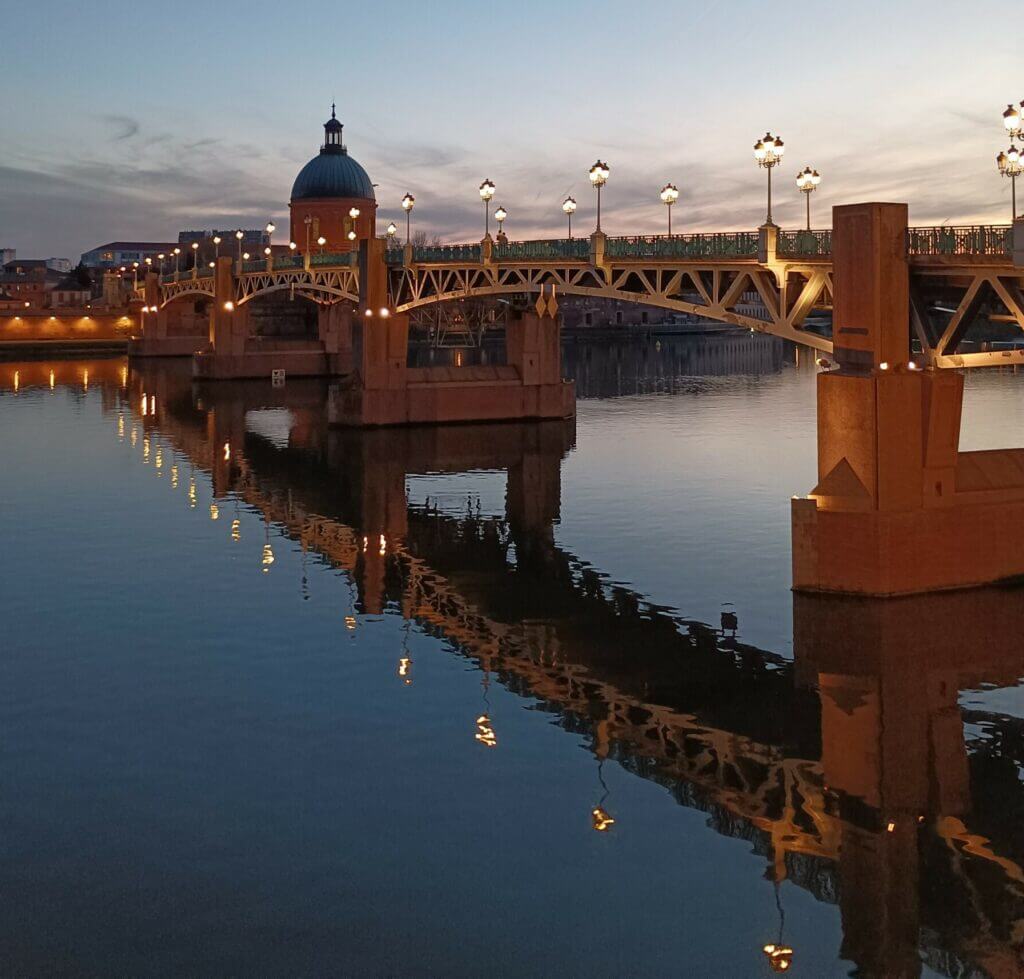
x=332, y=175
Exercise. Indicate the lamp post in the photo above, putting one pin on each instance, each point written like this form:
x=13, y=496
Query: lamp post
x=392, y=231
x=271, y=228
x=599, y=177
x=135, y=275
x=569, y=208
x=407, y=204
x=353, y=213
x=1013, y=120
x=321, y=241
x=149, y=263
x=195, y=257
x=499, y=215
x=486, y=194
x=177, y=253
x=768, y=153
x=669, y=195
x=308, y=222
x=216, y=247
x=1009, y=164
x=807, y=181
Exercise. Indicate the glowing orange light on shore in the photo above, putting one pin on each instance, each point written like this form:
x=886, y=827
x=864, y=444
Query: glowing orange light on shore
x=601, y=820
x=780, y=957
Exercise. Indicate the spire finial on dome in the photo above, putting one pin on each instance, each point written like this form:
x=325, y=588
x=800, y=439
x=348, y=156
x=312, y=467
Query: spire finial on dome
x=333, y=116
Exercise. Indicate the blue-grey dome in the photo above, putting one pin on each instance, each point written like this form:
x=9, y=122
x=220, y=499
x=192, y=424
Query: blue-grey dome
x=332, y=175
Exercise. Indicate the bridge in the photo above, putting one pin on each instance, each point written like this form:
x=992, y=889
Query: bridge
x=805, y=760
x=766, y=280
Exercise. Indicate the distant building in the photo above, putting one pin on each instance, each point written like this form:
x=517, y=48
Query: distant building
x=114, y=254
x=29, y=281
x=7, y=255
x=59, y=264
x=584, y=312
x=72, y=290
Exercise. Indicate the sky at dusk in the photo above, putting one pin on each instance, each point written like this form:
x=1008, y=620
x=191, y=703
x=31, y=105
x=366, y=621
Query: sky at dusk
x=134, y=122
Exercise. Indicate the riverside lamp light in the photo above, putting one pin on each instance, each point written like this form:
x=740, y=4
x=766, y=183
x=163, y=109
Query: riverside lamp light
x=392, y=231
x=486, y=194
x=321, y=241
x=407, y=204
x=195, y=255
x=177, y=253
x=499, y=215
x=239, y=234
x=216, y=246
x=1013, y=120
x=135, y=275
x=807, y=181
x=599, y=177
x=1009, y=164
x=569, y=208
x=161, y=258
x=669, y=195
x=768, y=153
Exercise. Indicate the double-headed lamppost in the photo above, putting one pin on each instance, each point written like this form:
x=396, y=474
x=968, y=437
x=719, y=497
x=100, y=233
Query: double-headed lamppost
x=499, y=215
x=239, y=234
x=353, y=213
x=599, y=177
x=407, y=204
x=486, y=194
x=1010, y=165
x=669, y=195
x=569, y=208
x=807, y=181
x=768, y=153
x=135, y=275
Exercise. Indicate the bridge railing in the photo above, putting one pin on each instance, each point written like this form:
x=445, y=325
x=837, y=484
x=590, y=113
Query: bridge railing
x=730, y=244
x=255, y=265
x=804, y=244
x=447, y=253
x=981, y=239
x=289, y=262
x=333, y=258
x=540, y=249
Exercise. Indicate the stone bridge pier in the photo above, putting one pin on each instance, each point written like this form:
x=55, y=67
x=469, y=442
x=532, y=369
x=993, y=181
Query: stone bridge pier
x=898, y=509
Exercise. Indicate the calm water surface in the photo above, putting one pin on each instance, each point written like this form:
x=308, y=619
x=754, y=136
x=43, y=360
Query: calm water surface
x=520, y=700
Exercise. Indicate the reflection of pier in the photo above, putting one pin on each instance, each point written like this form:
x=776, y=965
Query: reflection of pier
x=848, y=769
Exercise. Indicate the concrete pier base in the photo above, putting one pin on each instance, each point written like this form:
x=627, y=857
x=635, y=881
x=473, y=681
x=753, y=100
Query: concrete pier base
x=897, y=509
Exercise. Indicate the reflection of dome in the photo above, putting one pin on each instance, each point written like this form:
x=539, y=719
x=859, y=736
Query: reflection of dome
x=333, y=173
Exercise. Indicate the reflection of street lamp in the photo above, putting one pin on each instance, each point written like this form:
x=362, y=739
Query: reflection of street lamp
x=768, y=153
x=486, y=194
x=599, y=177
x=669, y=195
x=499, y=215
x=1009, y=164
x=407, y=203
x=807, y=181
x=569, y=208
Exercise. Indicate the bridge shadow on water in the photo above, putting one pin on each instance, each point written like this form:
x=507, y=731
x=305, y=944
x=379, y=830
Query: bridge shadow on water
x=851, y=769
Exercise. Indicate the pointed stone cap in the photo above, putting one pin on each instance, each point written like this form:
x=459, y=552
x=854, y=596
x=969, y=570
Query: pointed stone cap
x=842, y=489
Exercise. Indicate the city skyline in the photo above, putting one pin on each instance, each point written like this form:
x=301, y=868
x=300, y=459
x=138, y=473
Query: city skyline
x=185, y=145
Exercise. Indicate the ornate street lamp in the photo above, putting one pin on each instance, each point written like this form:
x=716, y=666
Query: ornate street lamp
x=407, y=204
x=239, y=234
x=486, y=193
x=177, y=252
x=669, y=195
x=807, y=181
x=161, y=258
x=1010, y=165
x=353, y=213
x=499, y=215
x=599, y=177
x=195, y=255
x=321, y=241
x=768, y=153
x=216, y=246
x=135, y=275
x=392, y=231
x=1013, y=120
x=569, y=208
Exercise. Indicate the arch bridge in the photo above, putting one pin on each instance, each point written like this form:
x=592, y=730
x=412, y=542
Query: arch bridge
x=769, y=280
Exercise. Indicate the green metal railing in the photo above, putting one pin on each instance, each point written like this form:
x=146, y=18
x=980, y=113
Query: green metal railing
x=541, y=249
x=288, y=262
x=255, y=265
x=394, y=256
x=446, y=253
x=982, y=239
x=732, y=244
x=333, y=258
x=804, y=244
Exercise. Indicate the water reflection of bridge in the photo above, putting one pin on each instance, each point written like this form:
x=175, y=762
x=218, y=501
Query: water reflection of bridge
x=848, y=769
